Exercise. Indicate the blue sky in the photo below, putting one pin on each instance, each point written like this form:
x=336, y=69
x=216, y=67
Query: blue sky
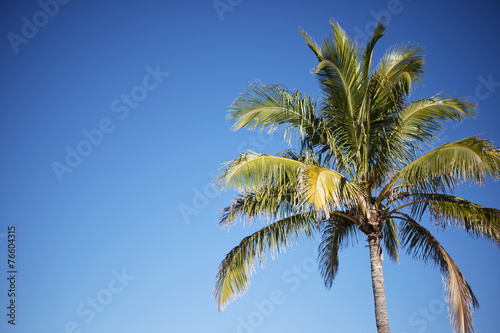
x=123, y=237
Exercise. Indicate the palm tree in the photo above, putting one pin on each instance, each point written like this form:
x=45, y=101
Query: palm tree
x=360, y=168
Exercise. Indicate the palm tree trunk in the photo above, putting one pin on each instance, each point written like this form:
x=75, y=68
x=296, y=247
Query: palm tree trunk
x=378, y=285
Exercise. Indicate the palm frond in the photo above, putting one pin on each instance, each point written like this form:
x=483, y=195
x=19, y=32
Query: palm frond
x=238, y=265
x=461, y=300
x=402, y=66
x=261, y=106
x=325, y=188
x=340, y=75
x=336, y=233
x=422, y=119
x=471, y=159
x=378, y=33
x=271, y=203
x=390, y=233
x=312, y=45
x=253, y=171
x=449, y=210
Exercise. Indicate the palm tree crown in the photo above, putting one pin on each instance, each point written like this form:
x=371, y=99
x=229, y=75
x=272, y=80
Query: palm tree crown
x=360, y=168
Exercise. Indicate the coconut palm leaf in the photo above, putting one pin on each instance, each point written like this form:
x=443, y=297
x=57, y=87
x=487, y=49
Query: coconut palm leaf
x=324, y=188
x=479, y=221
x=422, y=119
x=321, y=187
x=402, y=67
x=239, y=264
x=471, y=159
x=253, y=171
x=378, y=33
x=270, y=203
x=336, y=234
x=390, y=232
x=339, y=71
x=448, y=210
x=340, y=76
x=313, y=45
x=261, y=106
x=461, y=300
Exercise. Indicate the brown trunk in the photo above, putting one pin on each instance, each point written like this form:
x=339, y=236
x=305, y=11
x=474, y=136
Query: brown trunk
x=378, y=285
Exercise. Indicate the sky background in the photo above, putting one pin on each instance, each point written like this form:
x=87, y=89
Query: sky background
x=125, y=239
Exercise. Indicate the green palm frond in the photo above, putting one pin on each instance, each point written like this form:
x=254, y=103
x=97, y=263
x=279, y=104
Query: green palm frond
x=378, y=33
x=449, y=210
x=477, y=220
x=471, y=159
x=271, y=202
x=461, y=300
x=402, y=66
x=392, y=81
x=366, y=137
x=312, y=45
x=261, y=106
x=239, y=264
x=390, y=232
x=321, y=187
x=339, y=72
x=336, y=234
x=422, y=119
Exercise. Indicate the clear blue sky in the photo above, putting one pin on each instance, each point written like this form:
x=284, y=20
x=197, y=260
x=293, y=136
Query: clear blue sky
x=140, y=90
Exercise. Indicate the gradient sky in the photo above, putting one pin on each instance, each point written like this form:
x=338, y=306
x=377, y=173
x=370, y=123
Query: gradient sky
x=124, y=238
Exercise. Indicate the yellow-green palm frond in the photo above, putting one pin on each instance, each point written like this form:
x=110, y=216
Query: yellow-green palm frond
x=253, y=171
x=336, y=234
x=461, y=300
x=325, y=188
x=471, y=159
x=312, y=45
x=239, y=264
